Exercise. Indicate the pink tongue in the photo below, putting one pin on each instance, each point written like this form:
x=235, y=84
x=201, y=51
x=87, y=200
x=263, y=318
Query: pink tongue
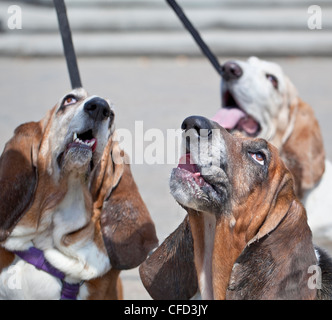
x=228, y=117
x=184, y=163
x=249, y=125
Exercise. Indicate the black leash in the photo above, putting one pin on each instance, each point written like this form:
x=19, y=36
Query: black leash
x=188, y=25
x=68, y=45
x=69, y=50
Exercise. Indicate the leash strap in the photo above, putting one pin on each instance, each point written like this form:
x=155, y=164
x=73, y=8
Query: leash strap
x=195, y=34
x=68, y=45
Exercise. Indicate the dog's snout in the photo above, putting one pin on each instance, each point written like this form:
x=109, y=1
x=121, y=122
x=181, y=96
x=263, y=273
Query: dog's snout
x=198, y=123
x=98, y=109
x=231, y=70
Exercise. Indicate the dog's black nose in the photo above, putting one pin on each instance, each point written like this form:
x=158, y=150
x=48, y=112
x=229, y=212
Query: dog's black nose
x=231, y=70
x=198, y=123
x=98, y=109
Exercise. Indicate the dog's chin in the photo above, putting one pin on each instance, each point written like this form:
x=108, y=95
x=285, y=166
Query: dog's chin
x=192, y=192
x=77, y=160
x=79, y=155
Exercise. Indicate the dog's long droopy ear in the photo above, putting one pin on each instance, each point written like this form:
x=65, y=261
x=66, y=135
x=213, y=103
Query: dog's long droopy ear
x=169, y=273
x=275, y=264
x=303, y=152
x=18, y=175
x=128, y=231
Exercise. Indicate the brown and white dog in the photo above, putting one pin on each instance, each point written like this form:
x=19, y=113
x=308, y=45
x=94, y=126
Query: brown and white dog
x=259, y=100
x=249, y=230
x=67, y=192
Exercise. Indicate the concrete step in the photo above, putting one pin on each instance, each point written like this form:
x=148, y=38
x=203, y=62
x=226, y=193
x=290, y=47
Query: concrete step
x=125, y=29
x=185, y=3
x=229, y=43
x=36, y=19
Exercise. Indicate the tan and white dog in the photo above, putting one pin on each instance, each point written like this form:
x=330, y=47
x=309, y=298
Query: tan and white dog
x=249, y=233
x=259, y=100
x=67, y=192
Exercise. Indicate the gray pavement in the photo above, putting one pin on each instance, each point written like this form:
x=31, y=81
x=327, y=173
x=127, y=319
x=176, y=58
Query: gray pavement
x=159, y=92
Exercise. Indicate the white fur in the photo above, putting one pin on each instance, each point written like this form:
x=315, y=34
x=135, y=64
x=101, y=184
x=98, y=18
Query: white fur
x=21, y=281
x=317, y=256
x=82, y=260
x=205, y=275
x=20, y=239
x=318, y=204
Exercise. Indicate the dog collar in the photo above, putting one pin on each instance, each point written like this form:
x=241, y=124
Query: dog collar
x=36, y=257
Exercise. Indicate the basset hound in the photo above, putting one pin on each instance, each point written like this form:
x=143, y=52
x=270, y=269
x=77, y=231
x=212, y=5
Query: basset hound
x=71, y=216
x=249, y=233
x=259, y=100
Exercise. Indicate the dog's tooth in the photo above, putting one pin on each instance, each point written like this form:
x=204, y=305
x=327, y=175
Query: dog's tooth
x=74, y=136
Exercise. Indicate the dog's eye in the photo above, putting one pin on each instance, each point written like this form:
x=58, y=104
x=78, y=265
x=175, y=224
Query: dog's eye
x=69, y=100
x=273, y=80
x=258, y=157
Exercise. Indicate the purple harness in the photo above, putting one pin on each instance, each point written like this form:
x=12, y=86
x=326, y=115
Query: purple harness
x=36, y=257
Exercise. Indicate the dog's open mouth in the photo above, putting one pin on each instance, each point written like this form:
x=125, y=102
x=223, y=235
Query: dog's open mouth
x=191, y=189
x=82, y=144
x=232, y=117
x=84, y=140
x=190, y=171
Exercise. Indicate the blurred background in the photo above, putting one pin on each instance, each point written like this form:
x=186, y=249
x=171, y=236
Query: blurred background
x=137, y=53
